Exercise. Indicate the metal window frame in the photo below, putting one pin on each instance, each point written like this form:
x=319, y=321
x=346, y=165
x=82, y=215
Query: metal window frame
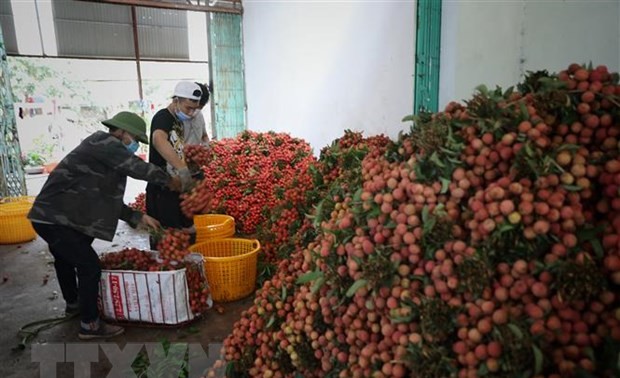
x=216, y=6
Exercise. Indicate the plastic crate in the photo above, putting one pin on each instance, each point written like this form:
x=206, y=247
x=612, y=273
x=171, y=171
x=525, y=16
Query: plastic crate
x=213, y=226
x=230, y=266
x=15, y=227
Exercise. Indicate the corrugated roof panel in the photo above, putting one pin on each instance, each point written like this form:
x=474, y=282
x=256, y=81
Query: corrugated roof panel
x=105, y=30
x=93, y=30
x=161, y=17
x=163, y=42
x=78, y=38
x=77, y=10
x=162, y=33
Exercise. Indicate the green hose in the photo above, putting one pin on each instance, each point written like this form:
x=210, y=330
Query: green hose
x=30, y=330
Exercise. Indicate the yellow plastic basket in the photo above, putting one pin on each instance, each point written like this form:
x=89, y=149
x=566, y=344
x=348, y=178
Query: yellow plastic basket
x=213, y=226
x=230, y=266
x=14, y=226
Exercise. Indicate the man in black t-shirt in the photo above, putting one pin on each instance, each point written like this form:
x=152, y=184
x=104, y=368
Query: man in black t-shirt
x=167, y=152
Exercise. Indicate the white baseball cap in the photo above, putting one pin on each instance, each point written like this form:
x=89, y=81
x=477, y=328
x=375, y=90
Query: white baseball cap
x=187, y=89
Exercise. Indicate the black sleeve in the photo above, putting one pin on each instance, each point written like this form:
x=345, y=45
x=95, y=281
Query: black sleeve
x=132, y=217
x=162, y=120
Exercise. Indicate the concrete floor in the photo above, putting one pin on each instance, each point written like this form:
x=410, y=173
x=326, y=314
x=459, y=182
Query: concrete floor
x=29, y=292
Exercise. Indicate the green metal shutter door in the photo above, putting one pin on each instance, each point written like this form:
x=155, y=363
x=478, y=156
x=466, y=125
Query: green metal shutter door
x=226, y=65
x=428, y=49
x=12, y=182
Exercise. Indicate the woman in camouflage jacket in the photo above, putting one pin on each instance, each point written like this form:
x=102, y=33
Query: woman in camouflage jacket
x=81, y=200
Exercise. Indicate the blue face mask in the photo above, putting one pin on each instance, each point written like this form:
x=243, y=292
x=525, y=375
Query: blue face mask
x=182, y=116
x=133, y=146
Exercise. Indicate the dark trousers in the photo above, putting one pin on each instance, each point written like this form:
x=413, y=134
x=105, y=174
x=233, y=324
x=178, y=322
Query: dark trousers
x=165, y=206
x=77, y=266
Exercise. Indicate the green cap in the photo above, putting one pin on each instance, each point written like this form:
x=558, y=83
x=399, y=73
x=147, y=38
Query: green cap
x=130, y=122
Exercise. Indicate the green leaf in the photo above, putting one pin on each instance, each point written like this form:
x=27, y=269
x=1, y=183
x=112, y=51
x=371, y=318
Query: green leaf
x=515, y=330
x=483, y=90
x=524, y=112
x=410, y=117
x=448, y=151
x=425, y=213
x=317, y=284
x=401, y=319
x=539, y=267
x=589, y=352
x=391, y=224
x=283, y=297
x=505, y=227
x=230, y=369
x=430, y=224
x=318, y=214
x=347, y=238
x=310, y=276
x=527, y=147
x=374, y=212
x=272, y=319
x=585, y=234
x=444, y=185
x=356, y=286
x=598, y=248
x=569, y=147
x=538, y=360
x=552, y=162
x=435, y=159
x=357, y=196
x=572, y=188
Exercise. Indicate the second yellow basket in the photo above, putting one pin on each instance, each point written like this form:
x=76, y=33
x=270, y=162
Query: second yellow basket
x=213, y=226
x=15, y=227
x=230, y=266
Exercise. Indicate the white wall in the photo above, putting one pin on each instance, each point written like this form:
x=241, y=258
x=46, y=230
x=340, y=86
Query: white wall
x=316, y=68
x=495, y=42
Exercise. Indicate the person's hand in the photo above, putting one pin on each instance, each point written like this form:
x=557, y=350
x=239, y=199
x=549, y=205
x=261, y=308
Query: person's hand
x=198, y=175
x=175, y=184
x=189, y=230
x=186, y=179
x=150, y=222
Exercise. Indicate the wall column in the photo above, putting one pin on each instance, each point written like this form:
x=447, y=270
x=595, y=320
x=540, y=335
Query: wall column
x=427, y=53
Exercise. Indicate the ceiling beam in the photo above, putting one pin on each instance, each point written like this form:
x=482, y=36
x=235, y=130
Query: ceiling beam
x=225, y=6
